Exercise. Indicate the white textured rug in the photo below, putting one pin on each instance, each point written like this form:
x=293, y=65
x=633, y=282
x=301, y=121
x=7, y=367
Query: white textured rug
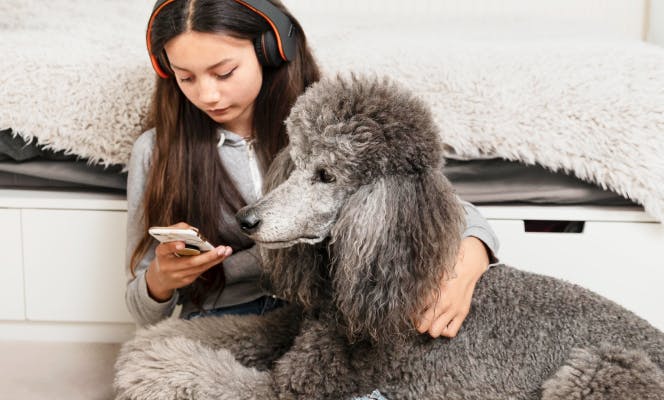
x=79, y=80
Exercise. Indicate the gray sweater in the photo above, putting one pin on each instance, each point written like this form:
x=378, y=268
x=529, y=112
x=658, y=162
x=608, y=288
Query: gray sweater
x=241, y=269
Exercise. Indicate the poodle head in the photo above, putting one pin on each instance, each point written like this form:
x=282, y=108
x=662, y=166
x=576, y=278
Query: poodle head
x=357, y=209
x=344, y=134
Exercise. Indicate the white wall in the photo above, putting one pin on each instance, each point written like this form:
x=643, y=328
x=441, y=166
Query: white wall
x=624, y=18
x=656, y=23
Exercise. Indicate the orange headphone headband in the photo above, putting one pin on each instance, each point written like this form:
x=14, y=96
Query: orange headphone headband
x=279, y=22
x=155, y=63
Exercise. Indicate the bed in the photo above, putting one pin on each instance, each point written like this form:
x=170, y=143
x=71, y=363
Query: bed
x=552, y=115
x=29, y=165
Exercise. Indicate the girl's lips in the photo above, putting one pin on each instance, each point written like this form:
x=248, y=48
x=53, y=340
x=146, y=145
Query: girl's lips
x=218, y=111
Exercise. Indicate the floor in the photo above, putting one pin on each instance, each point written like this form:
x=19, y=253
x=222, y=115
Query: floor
x=43, y=370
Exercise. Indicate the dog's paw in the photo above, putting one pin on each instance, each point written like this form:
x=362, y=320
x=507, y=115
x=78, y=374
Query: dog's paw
x=606, y=372
x=180, y=368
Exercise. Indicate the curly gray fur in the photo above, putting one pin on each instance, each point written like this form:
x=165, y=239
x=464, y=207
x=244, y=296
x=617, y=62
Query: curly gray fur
x=389, y=198
x=358, y=227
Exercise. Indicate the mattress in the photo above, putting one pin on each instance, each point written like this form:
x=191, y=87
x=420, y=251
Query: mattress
x=26, y=165
x=499, y=181
x=63, y=175
x=486, y=181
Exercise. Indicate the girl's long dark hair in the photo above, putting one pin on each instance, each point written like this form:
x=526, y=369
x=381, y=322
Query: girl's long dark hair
x=186, y=180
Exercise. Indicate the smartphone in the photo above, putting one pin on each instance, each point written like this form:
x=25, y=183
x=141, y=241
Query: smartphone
x=194, y=242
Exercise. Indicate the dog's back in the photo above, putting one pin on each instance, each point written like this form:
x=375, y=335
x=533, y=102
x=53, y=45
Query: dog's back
x=522, y=330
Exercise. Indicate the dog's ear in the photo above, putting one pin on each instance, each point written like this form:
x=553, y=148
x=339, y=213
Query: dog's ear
x=392, y=244
x=297, y=274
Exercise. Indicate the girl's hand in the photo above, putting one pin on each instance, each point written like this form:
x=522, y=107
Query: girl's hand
x=168, y=271
x=450, y=304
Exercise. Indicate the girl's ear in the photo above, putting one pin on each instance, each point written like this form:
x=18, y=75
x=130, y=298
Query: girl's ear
x=392, y=244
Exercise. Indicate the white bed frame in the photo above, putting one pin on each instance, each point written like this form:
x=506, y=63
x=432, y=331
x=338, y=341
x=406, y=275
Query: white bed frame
x=62, y=262
x=61, y=265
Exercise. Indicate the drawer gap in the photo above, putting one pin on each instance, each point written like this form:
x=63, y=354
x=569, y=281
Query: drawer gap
x=553, y=226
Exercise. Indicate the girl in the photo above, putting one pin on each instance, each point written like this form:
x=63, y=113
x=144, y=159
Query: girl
x=230, y=70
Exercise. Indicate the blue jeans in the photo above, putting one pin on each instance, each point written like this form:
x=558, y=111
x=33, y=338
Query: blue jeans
x=375, y=395
x=259, y=306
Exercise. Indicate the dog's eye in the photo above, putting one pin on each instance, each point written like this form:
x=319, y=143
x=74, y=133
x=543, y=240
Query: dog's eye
x=323, y=176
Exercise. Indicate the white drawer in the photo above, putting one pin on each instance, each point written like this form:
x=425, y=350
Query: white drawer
x=74, y=265
x=619, y=260
x=12, y=305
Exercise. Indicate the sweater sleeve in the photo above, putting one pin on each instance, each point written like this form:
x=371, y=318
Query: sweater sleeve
x=478, y=226
x=141, y=306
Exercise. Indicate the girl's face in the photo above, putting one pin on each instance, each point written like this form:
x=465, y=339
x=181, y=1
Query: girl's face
x=219, y=74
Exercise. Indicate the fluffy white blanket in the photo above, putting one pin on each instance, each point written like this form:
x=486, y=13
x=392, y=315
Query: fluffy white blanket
x=76, y=77
x=75, y=74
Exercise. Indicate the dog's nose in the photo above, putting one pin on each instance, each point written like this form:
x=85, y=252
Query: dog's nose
x=248, y=220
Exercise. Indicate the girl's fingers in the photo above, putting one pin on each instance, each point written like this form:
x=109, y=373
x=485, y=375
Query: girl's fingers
x=425, y=321
x=215, y=255
x=431, y=315
x=452, y=327
x=440, y=325
x=170, y=248
x=187, y=262
x=200, y=268
x=190, y=265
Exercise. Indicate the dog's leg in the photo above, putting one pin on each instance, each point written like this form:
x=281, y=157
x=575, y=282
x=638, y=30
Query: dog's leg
x=606, y=372
x=178, y=368
x=251, y=342
x=255, y=341
x=317, y=366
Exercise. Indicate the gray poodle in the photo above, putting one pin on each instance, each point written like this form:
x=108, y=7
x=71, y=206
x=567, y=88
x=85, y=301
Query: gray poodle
x=358, y=227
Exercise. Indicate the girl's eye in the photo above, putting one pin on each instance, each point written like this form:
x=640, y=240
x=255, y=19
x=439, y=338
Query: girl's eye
x=323, y=176
x=185, y=80
x=226, y=76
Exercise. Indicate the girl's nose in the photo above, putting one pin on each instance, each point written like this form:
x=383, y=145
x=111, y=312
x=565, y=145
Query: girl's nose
x=208, y=92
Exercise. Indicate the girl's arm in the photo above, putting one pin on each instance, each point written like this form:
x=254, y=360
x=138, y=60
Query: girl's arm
x=141, y=305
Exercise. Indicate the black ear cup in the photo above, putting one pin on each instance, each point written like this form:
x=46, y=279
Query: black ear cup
x=267, y=50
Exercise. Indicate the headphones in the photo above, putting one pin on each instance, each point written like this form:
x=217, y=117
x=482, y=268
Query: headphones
x=272, y=47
